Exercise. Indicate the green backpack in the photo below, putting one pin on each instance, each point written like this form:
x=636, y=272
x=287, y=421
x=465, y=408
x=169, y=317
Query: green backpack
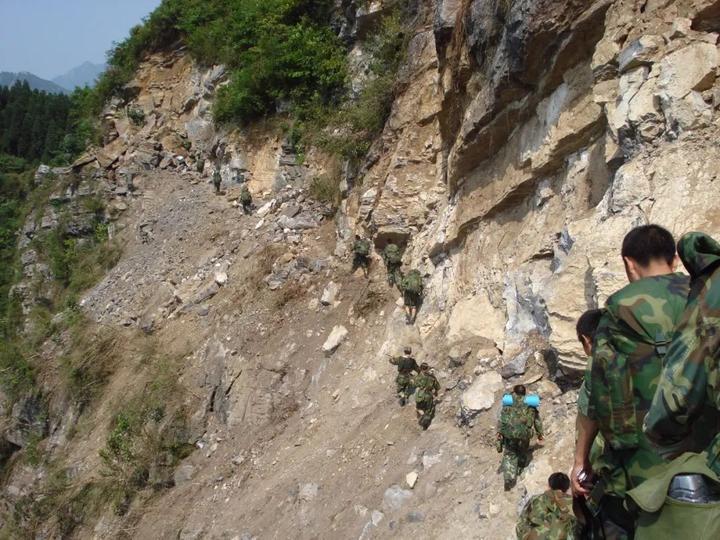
x=412, y=283
x=362, y=248
x=245, y=196
x=516, y=421
x=392, y=254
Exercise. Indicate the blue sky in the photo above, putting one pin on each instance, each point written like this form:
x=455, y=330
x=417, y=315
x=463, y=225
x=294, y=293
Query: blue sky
x=49, y=37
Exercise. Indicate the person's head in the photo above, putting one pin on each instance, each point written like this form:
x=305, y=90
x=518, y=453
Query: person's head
x=424, y=367
x=519, y=389
x=559, y=481
x=407, y=351
x=586, y=327
x=647, y=251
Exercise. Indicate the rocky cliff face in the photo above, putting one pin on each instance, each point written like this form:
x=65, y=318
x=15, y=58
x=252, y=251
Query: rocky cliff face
x=526, y=138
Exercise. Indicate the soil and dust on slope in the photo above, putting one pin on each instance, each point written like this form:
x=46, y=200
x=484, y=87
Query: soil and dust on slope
x=293, y=442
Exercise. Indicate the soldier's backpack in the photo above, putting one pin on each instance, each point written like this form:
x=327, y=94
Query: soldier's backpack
x=516, y=420
x=392, y=254
x=362, y=248
x=412, y=282
x=245, y=197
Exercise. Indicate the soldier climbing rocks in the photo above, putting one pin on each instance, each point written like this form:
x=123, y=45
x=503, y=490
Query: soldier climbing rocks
x=392, y=256
x=515, y=429
x=217, y=180
x=426, y=391
x=411, y=286
x=406, y=365
x=549, y=515
x=361, y=254
x=245, y=199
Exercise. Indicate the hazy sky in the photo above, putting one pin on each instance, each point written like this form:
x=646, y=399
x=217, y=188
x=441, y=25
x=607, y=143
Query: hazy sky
x=49, y=37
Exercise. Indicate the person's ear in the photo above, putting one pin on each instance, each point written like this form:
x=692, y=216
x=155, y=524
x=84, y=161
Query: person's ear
x=675, y=262
x=586, y=344
x=631, y=269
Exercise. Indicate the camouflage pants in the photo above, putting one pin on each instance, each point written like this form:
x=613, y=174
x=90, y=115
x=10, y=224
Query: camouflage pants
x=360, y=261
x=394, y=275
x=515, y=458
x=404, y=385
x=411, y=299
x=425, y=404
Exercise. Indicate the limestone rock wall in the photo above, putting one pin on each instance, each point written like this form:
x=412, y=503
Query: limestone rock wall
x=533, y=136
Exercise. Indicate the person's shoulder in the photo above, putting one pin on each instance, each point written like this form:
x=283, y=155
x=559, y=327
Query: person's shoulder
x=647, y=289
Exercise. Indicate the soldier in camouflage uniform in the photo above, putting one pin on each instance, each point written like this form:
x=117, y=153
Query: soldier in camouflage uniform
x=622, y=376
x=549, y=516
x=686, y=405
x=361, y=254
x=245, y=199
x=515, y=430
x=406, y=365
x=392, y=256
x=217, y=180
x=427, y=388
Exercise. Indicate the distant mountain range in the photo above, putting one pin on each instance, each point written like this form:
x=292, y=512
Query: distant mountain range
x=8, y=78
x=83, y=75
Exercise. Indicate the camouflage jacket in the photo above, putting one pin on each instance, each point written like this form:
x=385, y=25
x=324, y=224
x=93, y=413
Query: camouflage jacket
x=517, y=421
x=245, y=196
x=688, y=395
x=426, y=384
x=405, y=364
x=548, y=517
x=362, y=247
x=623, y=373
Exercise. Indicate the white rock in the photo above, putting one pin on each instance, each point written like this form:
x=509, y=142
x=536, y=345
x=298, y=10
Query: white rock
x=265, y=209
x=481, y=394
x=329, y=294
x=259, y=224
x=476, y=317
x=308, y=492
x=395, y=497
x=411, y=479
x=336, y=337
x=221, y=278
x=690, y=68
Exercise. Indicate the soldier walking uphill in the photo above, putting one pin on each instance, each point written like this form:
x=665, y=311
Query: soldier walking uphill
x=245, y=199
x=406, y=365
x=515, y=429
x=426, y=391
x=622, y=375
x=361, y=254
x=411, y=287
x=393, y=261
x=217, y=181
x=549, y=516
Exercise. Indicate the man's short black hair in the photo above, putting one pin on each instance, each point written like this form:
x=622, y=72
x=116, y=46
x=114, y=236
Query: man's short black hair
x=559, y=481
x=407, y=350
x=648, y=243
x=588, y=323
x=520, y=389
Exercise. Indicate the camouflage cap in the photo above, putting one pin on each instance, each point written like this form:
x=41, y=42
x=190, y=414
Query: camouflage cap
x=698, y=252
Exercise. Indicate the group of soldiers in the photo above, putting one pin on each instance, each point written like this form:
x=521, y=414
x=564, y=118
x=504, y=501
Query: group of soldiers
x=409, y=284
x=418, y=380
x=245, y=198
x=647, y=453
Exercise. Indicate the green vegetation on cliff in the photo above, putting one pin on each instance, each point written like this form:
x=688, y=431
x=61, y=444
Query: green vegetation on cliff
x=282, y=55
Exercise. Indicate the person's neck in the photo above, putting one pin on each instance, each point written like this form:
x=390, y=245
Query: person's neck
x=654, y=269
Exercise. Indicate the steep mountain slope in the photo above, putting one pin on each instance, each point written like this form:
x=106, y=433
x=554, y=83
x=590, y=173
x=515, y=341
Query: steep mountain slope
x=525, y=139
